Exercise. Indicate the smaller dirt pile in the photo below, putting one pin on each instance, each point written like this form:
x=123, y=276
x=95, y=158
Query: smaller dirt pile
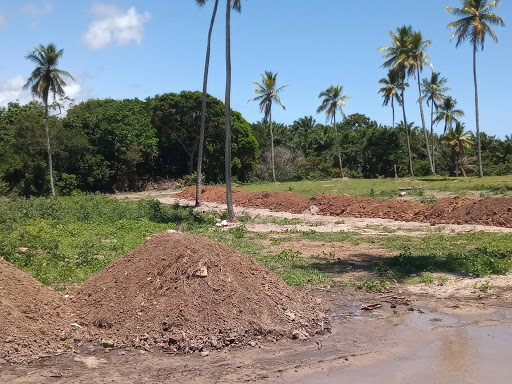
x=187, y=293
x=33, y=318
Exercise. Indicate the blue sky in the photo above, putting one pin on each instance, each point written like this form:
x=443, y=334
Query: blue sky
x=136, y=48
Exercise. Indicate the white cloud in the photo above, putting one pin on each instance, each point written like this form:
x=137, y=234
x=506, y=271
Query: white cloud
x=3, y=20
x=112, y=25
x=12, y=90
x=36, y=13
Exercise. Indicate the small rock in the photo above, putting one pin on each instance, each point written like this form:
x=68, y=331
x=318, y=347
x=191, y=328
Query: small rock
x=300, y=335
x=171, y=231
x=205, y=353
x=107, y=344
x=202, y=272
x=22, y=250
x=290, y=315
x=148, y=237
x=253, y=344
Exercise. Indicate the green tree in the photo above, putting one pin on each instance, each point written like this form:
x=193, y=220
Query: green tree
x=396, y=56
x=448, y=113
x=302, y=130
x=434, y=92
x=390, y=90
x=237, y=6
x=459, y=141
x=268, y=93
x=475, y=25
x=333, y=100
x=45, y=80
x=203, y=105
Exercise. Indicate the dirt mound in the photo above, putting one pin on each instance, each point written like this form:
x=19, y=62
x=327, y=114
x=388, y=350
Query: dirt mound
x=33, y=318
x=492, y=211
x=457, y=210
x=283, y=201
x=156, y=296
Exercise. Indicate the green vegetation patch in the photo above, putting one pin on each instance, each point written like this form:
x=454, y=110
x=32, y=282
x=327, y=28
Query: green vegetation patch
x=477, y=262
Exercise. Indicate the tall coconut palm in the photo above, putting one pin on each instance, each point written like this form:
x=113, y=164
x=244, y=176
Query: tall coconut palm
x=390, y=90
x=396, y=57
x=203, y=106
x=459, y=141
x=434, y=92
x=333, y=100
x=448, y=113
x=268, y=93
x=237, y=6
x=475, y=25
x=46, y=79
x=415, y=63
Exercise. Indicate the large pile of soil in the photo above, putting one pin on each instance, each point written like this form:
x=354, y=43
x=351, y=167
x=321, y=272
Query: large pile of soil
x=33, y=318
x=156, y=296
x=492, y=211
x=284, y=201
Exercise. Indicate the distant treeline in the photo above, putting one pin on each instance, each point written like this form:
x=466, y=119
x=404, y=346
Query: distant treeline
x=107, y=145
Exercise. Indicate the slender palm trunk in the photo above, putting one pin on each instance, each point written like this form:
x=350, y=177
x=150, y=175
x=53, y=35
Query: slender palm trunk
x=427, y=146
x=272, y=155
x=48, y=147
x=479, y=147
x=227, y=100
x=411, y=172
x=393, y=109
x=338, y=147
x=203, y=108
x=433, y=138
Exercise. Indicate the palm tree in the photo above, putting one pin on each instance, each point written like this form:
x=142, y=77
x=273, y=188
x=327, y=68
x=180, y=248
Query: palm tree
x=415, y=62
x=458, y=140
x=302, y=130
x=448, y=113
x=237, y=6
x=203, y=106
x=46, y=79
x=396, y=57
x=333, y=100
x=268, y=94
x=390, y=90
x=475, y=26
x=434, y=90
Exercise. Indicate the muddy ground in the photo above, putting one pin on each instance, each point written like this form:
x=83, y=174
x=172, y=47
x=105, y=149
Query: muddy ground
x=439, y=333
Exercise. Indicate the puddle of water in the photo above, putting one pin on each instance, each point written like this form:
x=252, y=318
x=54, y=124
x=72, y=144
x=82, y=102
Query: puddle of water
x=429, y=354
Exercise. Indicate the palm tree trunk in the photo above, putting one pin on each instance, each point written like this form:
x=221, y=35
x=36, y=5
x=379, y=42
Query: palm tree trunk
x=433, y=139
x=48, y=147
x=272, y=156
x=479, y=146
x=203, y=108
x=393, y=109
x=427, y=146
x=411, y=172
x=338, y=147
x=227, y=112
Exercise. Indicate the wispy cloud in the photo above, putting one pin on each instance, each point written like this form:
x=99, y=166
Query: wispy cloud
x=36, y=13
x=111, y=25
x=12, y=90
x=3, y=20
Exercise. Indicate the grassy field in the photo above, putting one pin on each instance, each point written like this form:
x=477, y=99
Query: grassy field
x=388, y=188
x=71, y=238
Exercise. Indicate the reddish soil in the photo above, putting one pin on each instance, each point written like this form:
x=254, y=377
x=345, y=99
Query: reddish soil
x=33, y=317
x=492, y=211
x=284, y=201
x=152, y=297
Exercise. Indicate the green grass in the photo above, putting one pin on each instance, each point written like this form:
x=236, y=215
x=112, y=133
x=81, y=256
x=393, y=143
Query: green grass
x=70, y=238
x=388, y=188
